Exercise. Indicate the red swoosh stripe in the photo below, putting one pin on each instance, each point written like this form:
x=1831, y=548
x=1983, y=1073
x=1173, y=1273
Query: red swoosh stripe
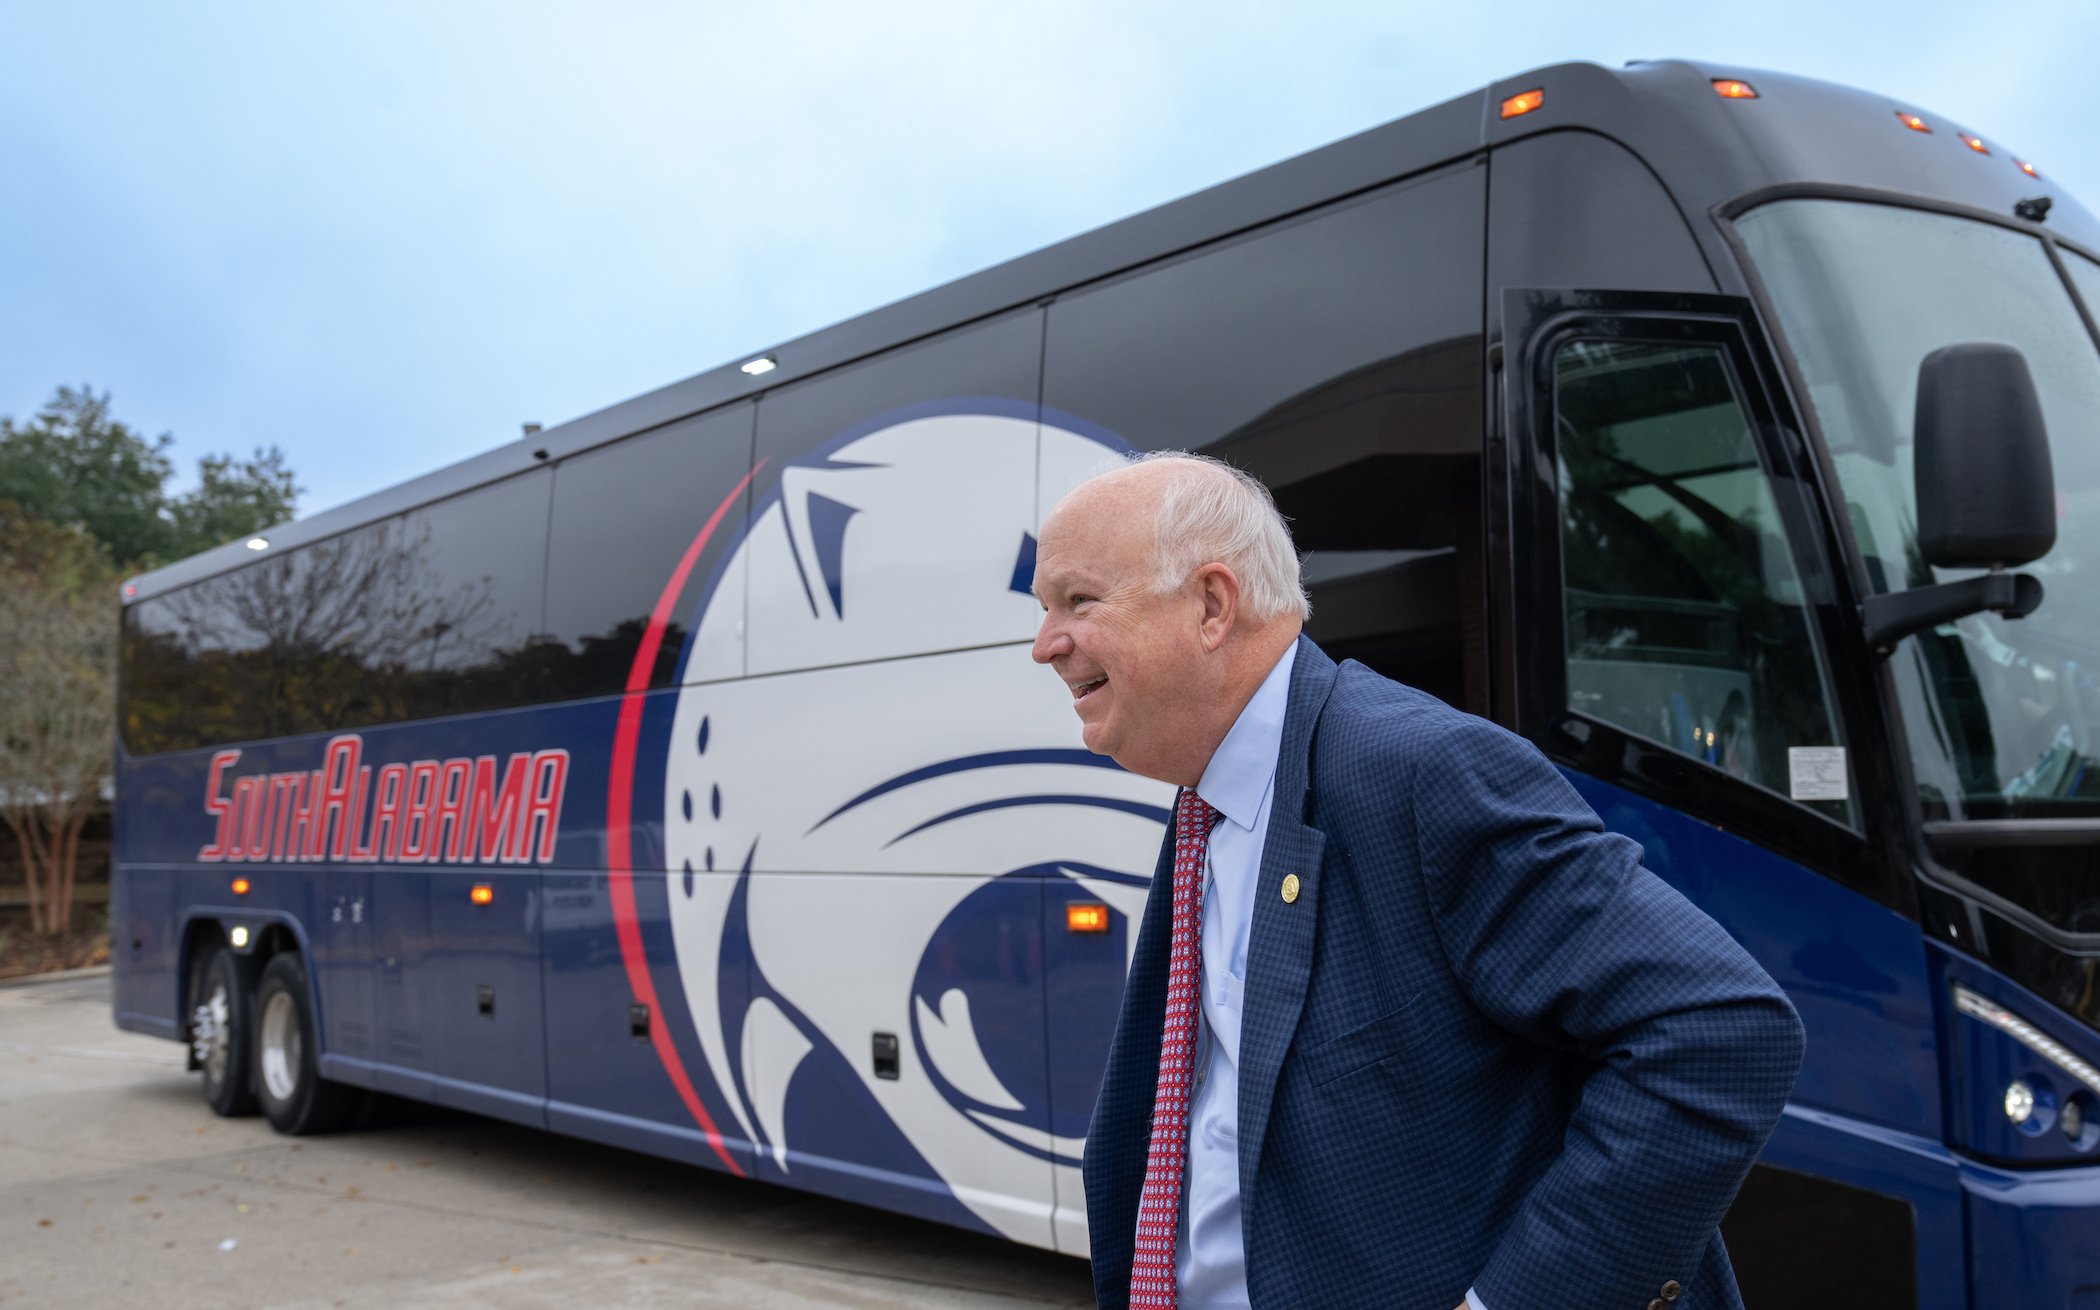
x=619, y=815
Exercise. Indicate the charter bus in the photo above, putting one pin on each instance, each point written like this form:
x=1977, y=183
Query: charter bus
x=678, y=778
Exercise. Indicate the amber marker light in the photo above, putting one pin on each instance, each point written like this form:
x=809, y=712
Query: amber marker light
x=1518, y=105
x=482, y=894
x=240, y=886
x=1975, y=143
x=1086, y=916
x=1729, y=88
x=2028, y=168
x=1914, y=123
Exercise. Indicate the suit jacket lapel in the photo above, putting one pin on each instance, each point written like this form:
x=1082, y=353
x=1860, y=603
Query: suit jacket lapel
x=1280, y=947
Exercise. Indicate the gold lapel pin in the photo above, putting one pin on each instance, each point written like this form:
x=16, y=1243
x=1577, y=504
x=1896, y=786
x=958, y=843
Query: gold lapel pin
x=1290, y=888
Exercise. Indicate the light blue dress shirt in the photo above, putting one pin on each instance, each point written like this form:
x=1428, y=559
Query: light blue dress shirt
x=1210, y=1257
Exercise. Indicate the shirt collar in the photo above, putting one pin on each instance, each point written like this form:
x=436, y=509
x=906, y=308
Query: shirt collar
x=1240, y=771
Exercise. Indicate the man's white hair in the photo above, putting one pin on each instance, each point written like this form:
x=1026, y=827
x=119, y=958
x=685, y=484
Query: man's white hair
x=1211, y=512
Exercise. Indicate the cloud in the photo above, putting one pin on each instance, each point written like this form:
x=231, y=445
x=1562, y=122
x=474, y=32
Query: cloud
x=382, y=235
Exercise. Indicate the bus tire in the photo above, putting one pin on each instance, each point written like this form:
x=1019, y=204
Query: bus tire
x=220, y=1034
x=295, y=1098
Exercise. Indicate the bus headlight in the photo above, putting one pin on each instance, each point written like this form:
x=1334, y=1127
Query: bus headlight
x=2029, y=1036
x=2019, y=1102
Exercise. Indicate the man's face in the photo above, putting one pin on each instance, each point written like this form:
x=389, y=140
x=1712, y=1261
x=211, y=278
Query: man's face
x=1133, y=659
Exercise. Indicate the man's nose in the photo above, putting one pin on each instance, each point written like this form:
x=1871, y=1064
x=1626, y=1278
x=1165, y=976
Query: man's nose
x=1050, y=642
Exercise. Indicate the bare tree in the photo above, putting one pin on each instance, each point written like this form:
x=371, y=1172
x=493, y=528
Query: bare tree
x=342, y=632
x=58, y=629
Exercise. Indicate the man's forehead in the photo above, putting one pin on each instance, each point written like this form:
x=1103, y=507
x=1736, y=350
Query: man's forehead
x=1066, y=560
x=1076, y=555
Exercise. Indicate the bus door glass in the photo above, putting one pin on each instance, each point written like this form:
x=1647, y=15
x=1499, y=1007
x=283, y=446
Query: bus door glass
x=1676, y=610
x=1685, y=619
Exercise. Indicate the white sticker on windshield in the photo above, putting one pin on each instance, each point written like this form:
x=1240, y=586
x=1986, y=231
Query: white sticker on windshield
x=1816, y=773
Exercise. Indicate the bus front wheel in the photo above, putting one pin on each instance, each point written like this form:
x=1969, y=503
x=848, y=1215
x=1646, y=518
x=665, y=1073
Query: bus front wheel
x=295, y=1098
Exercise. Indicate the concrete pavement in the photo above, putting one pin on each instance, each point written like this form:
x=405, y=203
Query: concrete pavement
x=118, y=1187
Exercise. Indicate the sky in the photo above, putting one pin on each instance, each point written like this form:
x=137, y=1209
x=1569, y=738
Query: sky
x=382, y=235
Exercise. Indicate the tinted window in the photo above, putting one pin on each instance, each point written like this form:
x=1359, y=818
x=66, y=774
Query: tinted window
x=893, y=503
x=1686, y=622
x=1338, y=358
x=464, y=621
x=294, y=643
x=624, y=517
x=433, y=612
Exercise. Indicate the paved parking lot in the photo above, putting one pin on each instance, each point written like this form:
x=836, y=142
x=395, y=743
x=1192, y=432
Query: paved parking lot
x=119, y=1188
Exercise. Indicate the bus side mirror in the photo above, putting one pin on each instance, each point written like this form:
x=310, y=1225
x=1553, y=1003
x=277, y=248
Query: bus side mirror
x=1986, y=491
x=1986, y=488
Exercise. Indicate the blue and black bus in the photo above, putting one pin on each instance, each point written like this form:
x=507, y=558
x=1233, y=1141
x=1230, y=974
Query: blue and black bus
x=677, y=778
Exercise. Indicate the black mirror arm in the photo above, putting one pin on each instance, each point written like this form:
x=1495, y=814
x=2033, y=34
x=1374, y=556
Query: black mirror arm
x=1889, y=619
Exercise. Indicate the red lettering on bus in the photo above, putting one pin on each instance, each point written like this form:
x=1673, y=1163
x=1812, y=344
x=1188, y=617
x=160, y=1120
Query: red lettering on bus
x=219, y=807
x=248, y=796
x=418, y=835
x=492, y=812
x=448, y=817
x=550, y=778
x=302, y=847
x=385, y=831
x=417, y=812
x=284, y=802
x=338, y=796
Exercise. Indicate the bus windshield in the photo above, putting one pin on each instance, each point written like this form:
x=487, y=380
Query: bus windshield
x=2003, y=716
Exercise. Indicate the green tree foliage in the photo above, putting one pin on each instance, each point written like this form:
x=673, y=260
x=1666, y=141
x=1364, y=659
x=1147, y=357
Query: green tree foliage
x=84, y=499
x=75, y=464
x=234, y=498
x=58, y=639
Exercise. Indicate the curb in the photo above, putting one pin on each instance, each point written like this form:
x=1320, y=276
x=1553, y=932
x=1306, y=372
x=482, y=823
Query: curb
x=62, y=975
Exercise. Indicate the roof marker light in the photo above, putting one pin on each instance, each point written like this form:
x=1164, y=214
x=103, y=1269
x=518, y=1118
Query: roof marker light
x=240, y=886
x=763, y=364
x=131, y=589
x=1975, y=143
x=2028, y=168
x=482, y=894
x=1914, y=123
x=1518, y=105
x=258, y=543
x=1729, y=88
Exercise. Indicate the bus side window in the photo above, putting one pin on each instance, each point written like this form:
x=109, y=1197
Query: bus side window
x=1336, y=356
x=1685, y=620
x=465, y=599
x=893, y=500
x=309, y=640
x=624, y=516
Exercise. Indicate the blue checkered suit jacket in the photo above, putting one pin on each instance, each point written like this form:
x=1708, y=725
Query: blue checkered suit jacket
x=1484, y=1047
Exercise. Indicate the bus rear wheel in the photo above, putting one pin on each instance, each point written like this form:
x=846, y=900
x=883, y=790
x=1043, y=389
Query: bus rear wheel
x=220, y=1035
x=295, y=1098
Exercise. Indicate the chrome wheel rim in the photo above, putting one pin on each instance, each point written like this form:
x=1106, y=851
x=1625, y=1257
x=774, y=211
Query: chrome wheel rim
x=209, y=1038
x=281, y=1046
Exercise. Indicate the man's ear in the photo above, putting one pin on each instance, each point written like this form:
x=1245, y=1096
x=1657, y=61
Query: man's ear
x=1219, y=589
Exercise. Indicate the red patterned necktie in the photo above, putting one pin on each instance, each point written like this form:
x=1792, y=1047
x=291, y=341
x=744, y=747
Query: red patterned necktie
x=1152, y=1282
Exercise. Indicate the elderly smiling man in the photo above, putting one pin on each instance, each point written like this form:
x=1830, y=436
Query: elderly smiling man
x=1405, y=1027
